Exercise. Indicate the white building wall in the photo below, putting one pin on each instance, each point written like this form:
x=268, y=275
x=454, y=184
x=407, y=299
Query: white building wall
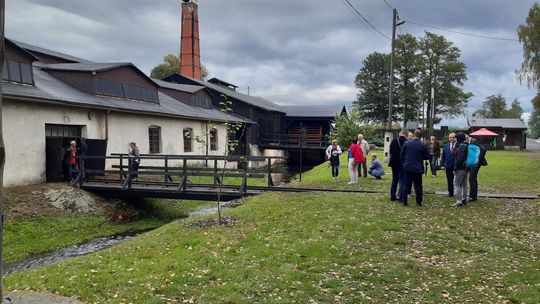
x=23, y=126
x=24, y=135
x=125, y=128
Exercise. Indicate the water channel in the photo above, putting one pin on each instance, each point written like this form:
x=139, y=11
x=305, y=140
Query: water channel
x=106, y=242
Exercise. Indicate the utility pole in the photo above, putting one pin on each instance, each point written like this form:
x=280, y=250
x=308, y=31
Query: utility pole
x=391, y=95
x=388, y=136
x=2, y=150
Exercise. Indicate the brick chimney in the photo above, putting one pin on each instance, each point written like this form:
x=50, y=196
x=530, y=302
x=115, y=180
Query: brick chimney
x=190, y=53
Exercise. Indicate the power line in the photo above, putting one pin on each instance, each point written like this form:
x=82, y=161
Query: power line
x=361, y=21
x=388, y=4
x=462, y=33
x=365, y=20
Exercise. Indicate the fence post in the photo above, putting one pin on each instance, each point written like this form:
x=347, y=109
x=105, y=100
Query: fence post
x=270, y=181
x=216, y=178
x=82, y=173
x=183, y=183
x=121, y=167
x=301, y=152
x=166, y=175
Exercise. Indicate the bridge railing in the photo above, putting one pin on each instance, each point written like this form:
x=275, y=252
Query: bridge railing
x=168, y=167
x=286, y=140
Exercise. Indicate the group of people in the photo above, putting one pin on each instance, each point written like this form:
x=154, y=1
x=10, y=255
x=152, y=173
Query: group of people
x=461, y=158
x=357, y=160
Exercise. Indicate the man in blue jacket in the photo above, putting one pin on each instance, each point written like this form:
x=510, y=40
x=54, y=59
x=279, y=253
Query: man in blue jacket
x=447, y=160
x=413, y=153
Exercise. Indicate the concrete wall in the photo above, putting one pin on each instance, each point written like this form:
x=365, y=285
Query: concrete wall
x=24, y=135
x=23, y=125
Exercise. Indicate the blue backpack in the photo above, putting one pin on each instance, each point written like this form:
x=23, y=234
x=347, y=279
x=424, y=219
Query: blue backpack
x=473, y=156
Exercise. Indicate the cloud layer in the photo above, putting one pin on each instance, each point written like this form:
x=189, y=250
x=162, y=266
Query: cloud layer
x=302, y=52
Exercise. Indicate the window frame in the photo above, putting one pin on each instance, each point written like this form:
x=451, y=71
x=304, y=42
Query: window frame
x=154, y=140
x=213, y=139
x=188, y=139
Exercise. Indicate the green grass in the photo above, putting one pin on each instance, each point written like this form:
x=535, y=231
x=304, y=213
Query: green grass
x=26, y=237
x=318, y=248
x=322, y=248
x=507, y=172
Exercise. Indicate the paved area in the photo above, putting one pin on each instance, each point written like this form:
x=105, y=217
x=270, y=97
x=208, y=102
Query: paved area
x=29, y=297
x=532, y=145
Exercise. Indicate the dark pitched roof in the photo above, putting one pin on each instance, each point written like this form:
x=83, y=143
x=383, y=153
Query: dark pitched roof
x=179, y=87
x=505, y=123
x=37, y=49
x=27, y=53
x=252, y=100
x=316, y=111
x=222, y=82
x=49, y=89
x=93, y=67
x=86, y=67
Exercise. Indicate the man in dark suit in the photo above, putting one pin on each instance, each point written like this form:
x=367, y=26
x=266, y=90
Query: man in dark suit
x=413, y=153
x=447, y=160
x=396, y=165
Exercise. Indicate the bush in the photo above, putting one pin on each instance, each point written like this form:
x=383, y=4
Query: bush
x=347, y=127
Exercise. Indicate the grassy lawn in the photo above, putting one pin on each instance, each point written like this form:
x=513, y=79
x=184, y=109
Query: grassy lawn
x=321, y=248
x=25, y=237
x=507, y=172
x=314, y=248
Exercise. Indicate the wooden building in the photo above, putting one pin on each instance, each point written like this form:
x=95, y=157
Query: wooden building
x=511, y=131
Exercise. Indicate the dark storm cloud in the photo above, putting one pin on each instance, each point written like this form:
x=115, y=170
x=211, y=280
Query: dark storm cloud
x=302, y=51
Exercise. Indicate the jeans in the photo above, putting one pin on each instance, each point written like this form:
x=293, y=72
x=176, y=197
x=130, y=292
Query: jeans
x=460, y=185
x=433, y=165
x=335, y=170
x=410, y=179
x=353, y=170
x=473, y=182
x=362, y=167
x=73, y=171
x=397, y=178
x=450, y=180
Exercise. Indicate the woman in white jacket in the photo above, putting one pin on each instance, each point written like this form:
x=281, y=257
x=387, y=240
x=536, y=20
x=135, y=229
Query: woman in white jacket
x=333, y=153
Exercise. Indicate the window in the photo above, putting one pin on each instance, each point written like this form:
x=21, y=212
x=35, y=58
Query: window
x=14, y=71
x=154, y=136
x=17, y=72
x=62, y=131
x=122, y=90
x=200, y=101
x=213, y=139
x=188, y=140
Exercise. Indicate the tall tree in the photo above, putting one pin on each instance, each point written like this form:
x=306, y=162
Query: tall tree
x=534, y=120
x=408, y=66
x=170, y=65
x=529, y=36
x=495, y=107
x=515, y=111
x=444, y=72
x=373, y=81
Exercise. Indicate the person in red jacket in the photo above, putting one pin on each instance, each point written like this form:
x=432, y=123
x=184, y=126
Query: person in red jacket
x=356, y=156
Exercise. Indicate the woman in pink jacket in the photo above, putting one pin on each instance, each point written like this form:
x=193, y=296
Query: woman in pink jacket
x=356, y=156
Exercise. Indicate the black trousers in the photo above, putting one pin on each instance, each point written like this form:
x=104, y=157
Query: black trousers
x=362, y=167
x=335, y=170
x=473, y=182
x=415, y=179
x=450, y=180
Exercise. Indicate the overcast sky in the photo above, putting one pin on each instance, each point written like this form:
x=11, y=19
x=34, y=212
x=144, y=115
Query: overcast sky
x=301, y=52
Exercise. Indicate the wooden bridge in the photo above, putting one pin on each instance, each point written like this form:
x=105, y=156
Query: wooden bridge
x=175, y=177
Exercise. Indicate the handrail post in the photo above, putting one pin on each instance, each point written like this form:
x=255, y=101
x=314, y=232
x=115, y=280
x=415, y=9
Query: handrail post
x=82, y=172
x=121, y=167
x=270, y=181
x=243, y=187
x=301, y=152
x=183, y=183
x=166, y=175
x=216, y=178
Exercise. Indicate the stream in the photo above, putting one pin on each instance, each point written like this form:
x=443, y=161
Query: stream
x=85, y=247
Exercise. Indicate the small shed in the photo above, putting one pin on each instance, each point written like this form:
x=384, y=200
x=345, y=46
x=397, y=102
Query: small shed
x=511, y=132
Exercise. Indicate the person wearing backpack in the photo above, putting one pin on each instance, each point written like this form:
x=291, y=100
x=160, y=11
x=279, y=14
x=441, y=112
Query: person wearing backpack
x=460, y=170
x=473, y=171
